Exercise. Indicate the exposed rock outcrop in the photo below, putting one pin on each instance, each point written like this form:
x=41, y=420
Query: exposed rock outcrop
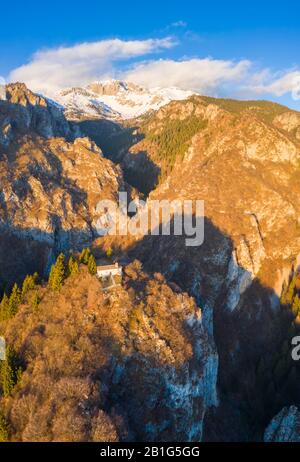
x=23, y=111
x=138, y=359
x=242, y=159
x=285, y=427
x=290, y=122
x=246, y=170
x=50, y=184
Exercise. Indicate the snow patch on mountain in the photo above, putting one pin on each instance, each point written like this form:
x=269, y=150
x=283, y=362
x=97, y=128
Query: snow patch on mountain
x=115, y=99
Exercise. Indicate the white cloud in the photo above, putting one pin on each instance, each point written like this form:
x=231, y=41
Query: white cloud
x=180, y=23
x=203, y=75
x=79, y=64
x=53, y=69
x=287, y=82
x=216, y=77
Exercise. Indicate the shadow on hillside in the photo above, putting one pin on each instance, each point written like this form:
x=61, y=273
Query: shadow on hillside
x=257, y=376
x=254, y=380
x=43, y=120
x=113, y=139
x=26, y=250
x=115, y=142
x=141, y=172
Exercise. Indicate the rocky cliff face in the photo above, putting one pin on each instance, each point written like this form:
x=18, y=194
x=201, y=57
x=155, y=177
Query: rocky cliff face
x=23, y=111
x=144, y=366
x=50, y=183
x=290, y=122
x=285, y=427
x=242, y=159
x=132, y=364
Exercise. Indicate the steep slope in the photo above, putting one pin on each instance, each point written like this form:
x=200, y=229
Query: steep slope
x=285, y=427
x=50, y=182
x=132, y=364
x=21, y=111
x=246, y=171
x=151, y=145
x=242, y=159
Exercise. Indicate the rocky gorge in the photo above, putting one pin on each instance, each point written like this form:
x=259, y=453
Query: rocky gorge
x=230, y=374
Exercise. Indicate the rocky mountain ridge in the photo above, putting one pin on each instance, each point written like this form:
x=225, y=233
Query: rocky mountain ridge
x=23, y=111
x=242, y=159
x=114, y=100
x=51, y=181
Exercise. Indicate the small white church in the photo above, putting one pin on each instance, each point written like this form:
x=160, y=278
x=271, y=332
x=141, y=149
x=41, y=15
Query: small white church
x=105, y=271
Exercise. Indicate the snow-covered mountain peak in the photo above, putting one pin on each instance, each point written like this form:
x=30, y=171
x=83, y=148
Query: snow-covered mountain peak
x=115, y=99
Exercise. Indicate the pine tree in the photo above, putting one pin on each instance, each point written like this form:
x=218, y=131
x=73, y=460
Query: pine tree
x=57, y=273
x=35, y=277
x=92, y=265
x=14, y=301
x=3, y=429
x=296, y=305
x=26, y=285
x=73, y=268
x=35, y=301
x=109, y=252
x=290, y=292
x=4, y=310
x=10, y=371
x=29, y=283
x=84, y=256
x=7, y=373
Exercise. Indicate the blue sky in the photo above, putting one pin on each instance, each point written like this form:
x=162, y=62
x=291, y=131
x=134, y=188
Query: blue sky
x=249, y=50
